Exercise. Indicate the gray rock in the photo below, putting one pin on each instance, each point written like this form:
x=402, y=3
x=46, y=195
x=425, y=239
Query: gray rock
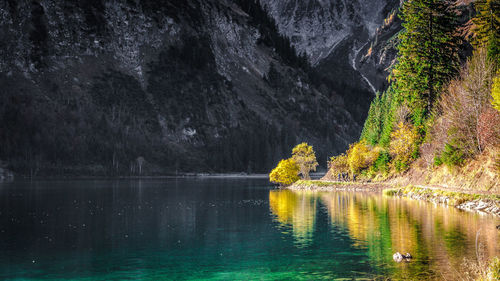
x=397, y=257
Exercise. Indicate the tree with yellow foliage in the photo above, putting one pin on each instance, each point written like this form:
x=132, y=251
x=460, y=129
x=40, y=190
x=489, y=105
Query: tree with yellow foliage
x=361, y=156
x=495, y=93
x=304, y=156
x=338, y=164
x=403, y=143
x=286, y=173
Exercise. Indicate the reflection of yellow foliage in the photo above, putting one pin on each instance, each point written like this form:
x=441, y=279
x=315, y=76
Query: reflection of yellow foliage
x=295, y=209
x=383, y=226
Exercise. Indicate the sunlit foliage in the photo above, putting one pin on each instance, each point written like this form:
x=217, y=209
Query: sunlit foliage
x=303, y=154
x=339, y=164
x=403, y=145
x=360, y=156
x=495, y=93
x=285, y=173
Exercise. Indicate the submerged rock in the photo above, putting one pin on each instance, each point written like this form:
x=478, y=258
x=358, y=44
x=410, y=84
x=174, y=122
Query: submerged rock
x=398, y=257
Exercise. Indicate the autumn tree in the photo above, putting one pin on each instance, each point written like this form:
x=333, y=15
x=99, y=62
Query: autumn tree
x=466, y=102
x=361, y=156
x=304, y=156
x=495, y=93
x=338, y=164
x=286, y=173
x=403, y=145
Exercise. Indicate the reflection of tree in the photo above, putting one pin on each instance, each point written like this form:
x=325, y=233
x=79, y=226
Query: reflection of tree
x=436, y=236
x=296, y=210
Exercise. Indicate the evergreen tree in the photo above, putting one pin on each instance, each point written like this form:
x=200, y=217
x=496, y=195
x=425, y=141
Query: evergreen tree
x=427, y=53
x=380, y=121
x=371, y=128
x=487, y=27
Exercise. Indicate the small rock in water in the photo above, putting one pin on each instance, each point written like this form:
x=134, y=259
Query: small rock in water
x=397, y=257
x=498, y=227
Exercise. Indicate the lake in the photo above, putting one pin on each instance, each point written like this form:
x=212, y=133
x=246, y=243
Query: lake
x=228, y=229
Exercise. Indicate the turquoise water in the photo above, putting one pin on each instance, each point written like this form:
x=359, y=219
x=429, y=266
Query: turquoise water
x=228, y=229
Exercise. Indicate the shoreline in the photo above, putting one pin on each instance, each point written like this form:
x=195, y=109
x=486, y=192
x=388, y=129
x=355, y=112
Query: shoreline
x=472, y=202
x=178, y=176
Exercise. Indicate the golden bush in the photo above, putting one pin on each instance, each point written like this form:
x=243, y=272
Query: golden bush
x=403, y=144
x=338, y=164
x=286, y=173
x=361, y=156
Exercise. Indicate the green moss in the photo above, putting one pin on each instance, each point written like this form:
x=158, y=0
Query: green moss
x=390, y=191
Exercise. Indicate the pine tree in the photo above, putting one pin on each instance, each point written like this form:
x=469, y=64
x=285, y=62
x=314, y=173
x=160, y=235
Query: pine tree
x=427, y=53
x=380, y=121
x=372, y=127
x=487, y=27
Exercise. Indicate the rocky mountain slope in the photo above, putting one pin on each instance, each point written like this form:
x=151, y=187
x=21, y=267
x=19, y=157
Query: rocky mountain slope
x=155, y=87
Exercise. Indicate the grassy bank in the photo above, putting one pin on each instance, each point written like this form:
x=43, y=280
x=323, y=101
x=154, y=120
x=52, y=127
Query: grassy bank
x=323, y=185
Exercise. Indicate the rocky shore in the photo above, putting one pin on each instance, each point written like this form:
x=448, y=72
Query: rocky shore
x=317, y=185
x=487, y=204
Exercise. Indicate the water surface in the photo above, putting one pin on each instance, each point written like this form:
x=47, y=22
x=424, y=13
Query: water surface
x=227, y=229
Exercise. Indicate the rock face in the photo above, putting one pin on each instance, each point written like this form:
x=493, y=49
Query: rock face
x=318, y=26
x=89, y=86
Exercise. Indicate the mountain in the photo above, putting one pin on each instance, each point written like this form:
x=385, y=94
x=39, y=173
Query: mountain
x=102, y=87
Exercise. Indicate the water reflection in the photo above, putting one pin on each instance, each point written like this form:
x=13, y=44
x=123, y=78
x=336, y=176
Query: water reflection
x=438, y=237
x=296, y=211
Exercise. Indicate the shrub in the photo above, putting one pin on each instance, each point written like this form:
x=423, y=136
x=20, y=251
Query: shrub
x=403, y=145
x=285, y=173
x=438, y=161
x=452, y=155
x=303, y=154
x=361, y=156
x=466, y=99
x=338, y=164
x=488, y=128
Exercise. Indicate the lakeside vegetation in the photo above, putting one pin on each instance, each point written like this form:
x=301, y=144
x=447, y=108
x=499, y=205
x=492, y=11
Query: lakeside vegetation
x=439, y=117
x=439, y=110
